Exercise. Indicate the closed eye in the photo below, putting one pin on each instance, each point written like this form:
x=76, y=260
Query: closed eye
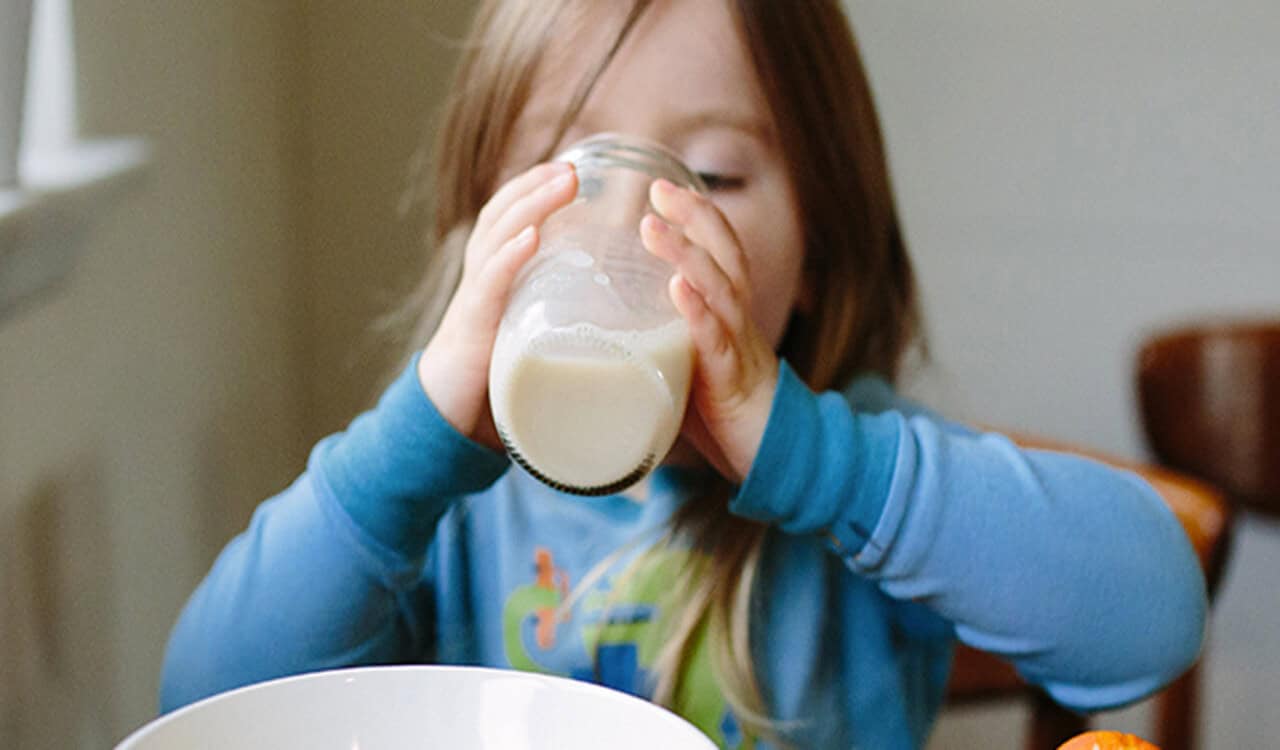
x=719, y=183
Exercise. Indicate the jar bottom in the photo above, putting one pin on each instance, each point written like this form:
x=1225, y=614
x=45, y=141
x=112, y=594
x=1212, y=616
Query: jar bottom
x=611, y=488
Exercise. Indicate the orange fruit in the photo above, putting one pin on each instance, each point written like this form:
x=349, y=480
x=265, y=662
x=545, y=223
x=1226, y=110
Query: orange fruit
x=1106, y=741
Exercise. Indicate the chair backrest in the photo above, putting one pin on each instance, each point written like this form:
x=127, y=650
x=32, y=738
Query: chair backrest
x=1210, y=401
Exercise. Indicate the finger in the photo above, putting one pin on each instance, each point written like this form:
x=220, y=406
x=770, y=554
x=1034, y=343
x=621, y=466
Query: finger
x=515, y=188
x=497, y=275
x=704, y=225
x=698, y=267
x=717, y=358
x=533, y=208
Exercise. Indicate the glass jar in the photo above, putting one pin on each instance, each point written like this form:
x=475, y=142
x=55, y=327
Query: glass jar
x=592, y=364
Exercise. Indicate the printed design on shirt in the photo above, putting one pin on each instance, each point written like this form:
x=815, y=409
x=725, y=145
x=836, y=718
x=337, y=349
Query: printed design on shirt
x=620, y=623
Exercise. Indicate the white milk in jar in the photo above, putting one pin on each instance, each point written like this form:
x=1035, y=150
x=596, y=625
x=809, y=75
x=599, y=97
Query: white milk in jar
x=591, y=410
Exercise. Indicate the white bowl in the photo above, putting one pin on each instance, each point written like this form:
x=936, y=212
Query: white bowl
x=420, y=707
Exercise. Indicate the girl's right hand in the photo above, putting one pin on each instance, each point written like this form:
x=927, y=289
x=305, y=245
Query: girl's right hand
x=454, y=367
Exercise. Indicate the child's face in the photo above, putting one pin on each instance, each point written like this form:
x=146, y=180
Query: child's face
x=683, y=78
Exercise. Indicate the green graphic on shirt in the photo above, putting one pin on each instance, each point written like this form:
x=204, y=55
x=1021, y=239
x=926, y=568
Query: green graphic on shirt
x=618, y=630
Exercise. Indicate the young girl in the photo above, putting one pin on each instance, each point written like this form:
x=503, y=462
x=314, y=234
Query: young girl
x=798, y=570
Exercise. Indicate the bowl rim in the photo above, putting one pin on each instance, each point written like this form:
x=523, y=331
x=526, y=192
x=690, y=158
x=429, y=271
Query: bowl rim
x=339, y=672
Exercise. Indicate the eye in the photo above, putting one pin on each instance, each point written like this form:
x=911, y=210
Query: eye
x=721, y=183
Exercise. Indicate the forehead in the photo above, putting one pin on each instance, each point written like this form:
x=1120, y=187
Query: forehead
x=682, y=60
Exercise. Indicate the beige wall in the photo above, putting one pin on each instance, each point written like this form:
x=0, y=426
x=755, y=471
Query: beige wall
x=376, y=73
x=149, y=404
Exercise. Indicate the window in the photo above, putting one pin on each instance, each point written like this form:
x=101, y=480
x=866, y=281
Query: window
x=52, y=183
x=14, y=36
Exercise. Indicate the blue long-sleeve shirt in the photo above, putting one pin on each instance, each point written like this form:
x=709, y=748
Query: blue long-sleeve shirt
x=892, y=533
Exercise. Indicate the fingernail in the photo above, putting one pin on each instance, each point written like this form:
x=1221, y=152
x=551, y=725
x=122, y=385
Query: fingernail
x=665, y=186
x=525, y=235
x=658, y=225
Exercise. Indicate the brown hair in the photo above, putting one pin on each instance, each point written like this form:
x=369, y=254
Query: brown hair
x=864, y=314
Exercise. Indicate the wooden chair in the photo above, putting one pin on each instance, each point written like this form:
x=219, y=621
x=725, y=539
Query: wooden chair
x=1210, y=400
x=1207, y=517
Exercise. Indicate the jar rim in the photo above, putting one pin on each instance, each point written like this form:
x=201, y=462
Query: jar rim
x=612, y=149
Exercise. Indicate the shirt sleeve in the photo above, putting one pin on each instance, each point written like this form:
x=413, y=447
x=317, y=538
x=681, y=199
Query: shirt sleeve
x=324, y=575
x=1075, y=571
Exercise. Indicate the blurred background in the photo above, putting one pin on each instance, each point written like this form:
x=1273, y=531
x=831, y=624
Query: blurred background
x=1072, y=177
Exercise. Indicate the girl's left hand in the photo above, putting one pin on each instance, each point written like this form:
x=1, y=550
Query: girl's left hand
x=737, y=369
